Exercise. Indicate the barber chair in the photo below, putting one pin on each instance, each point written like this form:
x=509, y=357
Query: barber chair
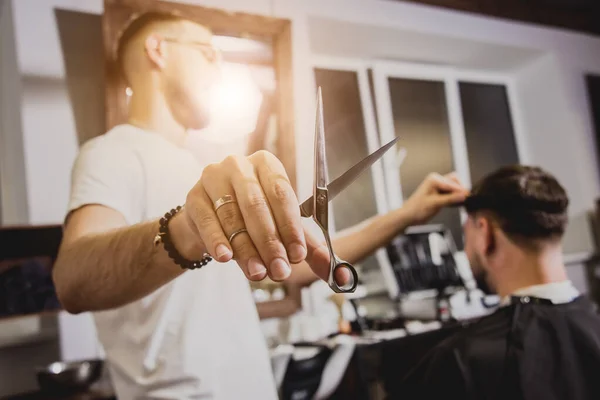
x=433, y=280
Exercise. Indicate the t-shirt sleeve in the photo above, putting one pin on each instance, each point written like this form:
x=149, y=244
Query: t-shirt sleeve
x=108, y=174
x=436, y=374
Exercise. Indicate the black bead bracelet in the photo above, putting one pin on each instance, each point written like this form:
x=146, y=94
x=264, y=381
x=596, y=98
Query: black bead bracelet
x=164, y=237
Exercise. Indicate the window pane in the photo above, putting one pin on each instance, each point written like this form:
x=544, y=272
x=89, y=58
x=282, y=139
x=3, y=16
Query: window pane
x=421, y=121
x=488, y=128
x=346, y=140
x=593, y=86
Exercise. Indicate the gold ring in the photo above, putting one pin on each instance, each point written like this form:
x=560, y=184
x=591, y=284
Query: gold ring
x=224, y=200
x=235, y=233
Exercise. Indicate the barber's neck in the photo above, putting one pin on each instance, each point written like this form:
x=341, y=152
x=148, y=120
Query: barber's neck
x=521, y=268
x=149, y=110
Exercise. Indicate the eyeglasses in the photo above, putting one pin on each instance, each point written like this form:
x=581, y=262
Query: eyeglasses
x=212, y=53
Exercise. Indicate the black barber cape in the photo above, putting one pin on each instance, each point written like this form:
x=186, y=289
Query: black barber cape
x=531, y=350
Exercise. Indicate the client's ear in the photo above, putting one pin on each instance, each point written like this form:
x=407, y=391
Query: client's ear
x=486, y=230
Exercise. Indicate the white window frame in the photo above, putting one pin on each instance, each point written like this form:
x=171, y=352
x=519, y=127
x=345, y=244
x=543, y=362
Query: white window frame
x=368, y=109
x=450, y=77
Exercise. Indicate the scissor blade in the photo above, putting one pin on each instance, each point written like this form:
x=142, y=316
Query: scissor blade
x=321, y=176
x=344, y=180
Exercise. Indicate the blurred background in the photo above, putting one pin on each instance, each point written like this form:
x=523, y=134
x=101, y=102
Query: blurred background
x=468, y=85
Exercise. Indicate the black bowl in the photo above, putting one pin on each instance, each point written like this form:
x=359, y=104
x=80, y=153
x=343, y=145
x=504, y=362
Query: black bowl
x=69, y=377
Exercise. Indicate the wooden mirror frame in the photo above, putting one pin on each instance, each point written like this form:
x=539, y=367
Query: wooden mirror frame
x=118, y=12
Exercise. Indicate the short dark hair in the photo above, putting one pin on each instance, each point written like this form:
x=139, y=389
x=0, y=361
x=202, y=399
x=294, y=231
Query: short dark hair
x=527, y=202
x=136, y=24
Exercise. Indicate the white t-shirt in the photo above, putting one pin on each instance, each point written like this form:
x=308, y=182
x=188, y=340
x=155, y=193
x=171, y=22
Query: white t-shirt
x=196, y=337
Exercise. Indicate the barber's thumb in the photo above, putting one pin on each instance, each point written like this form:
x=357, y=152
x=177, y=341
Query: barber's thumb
x=317, y=255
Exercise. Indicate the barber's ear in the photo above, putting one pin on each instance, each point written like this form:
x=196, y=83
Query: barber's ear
x=154, y=47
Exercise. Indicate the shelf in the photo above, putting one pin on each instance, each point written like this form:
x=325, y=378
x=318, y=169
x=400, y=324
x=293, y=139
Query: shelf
x=42, y=314
x=29, y=241
x=45, y=335
x=577, y=258
x=21, y=330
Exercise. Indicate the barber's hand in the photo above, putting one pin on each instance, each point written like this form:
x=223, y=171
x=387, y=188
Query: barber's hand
x=436, y=191
x=264, y=204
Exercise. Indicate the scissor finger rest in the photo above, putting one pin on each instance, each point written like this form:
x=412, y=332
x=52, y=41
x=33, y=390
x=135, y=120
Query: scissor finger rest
x=349, y=287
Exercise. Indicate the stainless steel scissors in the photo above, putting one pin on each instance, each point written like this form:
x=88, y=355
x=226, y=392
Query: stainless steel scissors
x=317, y=206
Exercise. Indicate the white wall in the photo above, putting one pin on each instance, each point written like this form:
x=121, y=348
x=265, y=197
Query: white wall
x=50, y=145
x=13, y=192
x=16, y=362
x=563, y=146
x=550, y=107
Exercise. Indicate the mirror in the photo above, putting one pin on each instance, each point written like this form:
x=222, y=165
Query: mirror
x=257, y=63
x=254, y=103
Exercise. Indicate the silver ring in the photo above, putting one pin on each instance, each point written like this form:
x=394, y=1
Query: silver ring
x=224, y=200
x=235, y=233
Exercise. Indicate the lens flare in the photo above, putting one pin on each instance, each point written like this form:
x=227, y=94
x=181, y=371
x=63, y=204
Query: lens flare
x=234, y=106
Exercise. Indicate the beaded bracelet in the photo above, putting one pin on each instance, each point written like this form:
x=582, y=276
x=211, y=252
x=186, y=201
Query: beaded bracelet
x=164, y=237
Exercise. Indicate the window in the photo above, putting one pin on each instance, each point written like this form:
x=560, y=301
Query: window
x=346, y=144
x=593, y=88
x=488, y=125
x=420, y=117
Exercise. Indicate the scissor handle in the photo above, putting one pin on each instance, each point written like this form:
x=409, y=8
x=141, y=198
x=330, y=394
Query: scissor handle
x=351, y=287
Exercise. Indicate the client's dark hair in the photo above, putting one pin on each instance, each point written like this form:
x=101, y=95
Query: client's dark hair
x=527, y=202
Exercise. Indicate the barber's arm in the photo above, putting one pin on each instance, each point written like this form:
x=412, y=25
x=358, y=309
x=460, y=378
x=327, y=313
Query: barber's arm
x=105, y=262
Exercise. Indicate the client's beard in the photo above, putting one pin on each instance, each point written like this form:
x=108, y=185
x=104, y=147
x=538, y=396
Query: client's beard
x=481, y=278
x=482, y=283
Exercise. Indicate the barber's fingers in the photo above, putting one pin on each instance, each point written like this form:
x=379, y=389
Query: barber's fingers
x=244, y=251
x=215, y=227
x=456, y=195
x=221, y=194
x=318, y=259
x=199, y=209
x=256, y=212
x=264, y=205
x=443, y=183
x=317, y=255
x=448, y=199
x=447, y=191
x=282, y=202
x=453, y=176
